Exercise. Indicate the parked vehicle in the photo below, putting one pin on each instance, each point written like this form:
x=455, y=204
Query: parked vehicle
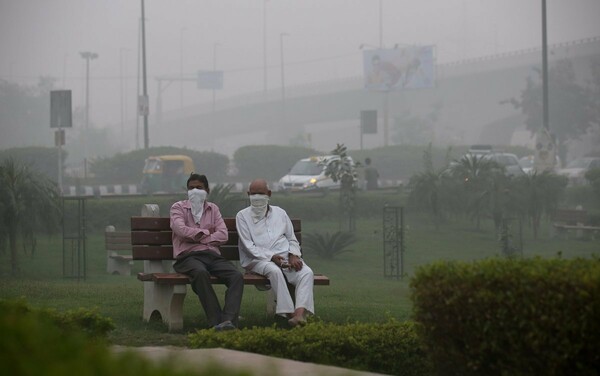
x=508, y=160
x=576, y=169
x=309, y=174
x=528, y=161
x=166, y=173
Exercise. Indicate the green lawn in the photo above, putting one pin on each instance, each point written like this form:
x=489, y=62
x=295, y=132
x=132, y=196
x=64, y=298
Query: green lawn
x=358, y=290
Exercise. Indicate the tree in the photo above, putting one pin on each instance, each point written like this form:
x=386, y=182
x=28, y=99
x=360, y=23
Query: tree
x=572, y=108
x=539, y=194
x=28, y=201
x=24, y=114
x=343, y=170
x=433, y=189
x=481, y=181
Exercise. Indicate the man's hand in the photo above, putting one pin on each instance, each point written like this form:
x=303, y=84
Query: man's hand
x=278, y=260
x=295, y=262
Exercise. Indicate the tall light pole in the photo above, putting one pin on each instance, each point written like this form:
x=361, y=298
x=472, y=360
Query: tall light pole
x=214, y=94
x=545, y=68
x=282, y=67
x=87, y=55
x=265, y=49
x=380, y=23
x=283, y=114
x=181, y=66
x=145, y=85
x=122, y=89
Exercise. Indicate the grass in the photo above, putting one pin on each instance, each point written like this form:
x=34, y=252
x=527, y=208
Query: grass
x=358, y=291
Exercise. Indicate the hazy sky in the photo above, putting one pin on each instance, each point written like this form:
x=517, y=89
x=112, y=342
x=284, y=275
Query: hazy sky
x=44, y=37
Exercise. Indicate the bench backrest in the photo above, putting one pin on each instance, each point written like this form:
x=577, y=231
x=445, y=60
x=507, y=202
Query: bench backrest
x=570, y=216
x=117, y=240
x=151, y=238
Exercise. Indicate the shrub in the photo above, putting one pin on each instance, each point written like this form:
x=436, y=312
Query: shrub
x=328, y=245
x=392, y=347
x=42, y=342
x=127, y=167
x=270, y=162
x=510, y=317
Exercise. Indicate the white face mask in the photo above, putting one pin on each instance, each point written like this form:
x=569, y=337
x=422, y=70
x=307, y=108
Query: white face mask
x=197, y=198
x=258, y=206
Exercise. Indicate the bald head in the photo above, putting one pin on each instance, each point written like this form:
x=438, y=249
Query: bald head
x=259, y=187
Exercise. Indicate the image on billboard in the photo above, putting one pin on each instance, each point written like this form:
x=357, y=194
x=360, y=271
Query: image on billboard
x=399, y=68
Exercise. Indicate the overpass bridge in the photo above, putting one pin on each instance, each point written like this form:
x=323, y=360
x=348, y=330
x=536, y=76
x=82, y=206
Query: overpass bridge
x=468, y=96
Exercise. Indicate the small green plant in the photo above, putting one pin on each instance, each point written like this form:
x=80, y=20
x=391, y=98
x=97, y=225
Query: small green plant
x=328, y=245
x=227, y=202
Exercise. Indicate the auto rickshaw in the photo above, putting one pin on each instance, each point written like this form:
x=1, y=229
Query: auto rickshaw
x=166, y=173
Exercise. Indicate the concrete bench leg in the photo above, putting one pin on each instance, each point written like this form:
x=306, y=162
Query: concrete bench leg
x=117, y=265
x=271, y=303
x=167, y=300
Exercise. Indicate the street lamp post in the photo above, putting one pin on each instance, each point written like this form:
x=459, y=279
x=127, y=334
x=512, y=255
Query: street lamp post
x=283, y=114
x=87, y=55
x=282, y=67
x=181, y=67
x=265, y=49
x=214, y=94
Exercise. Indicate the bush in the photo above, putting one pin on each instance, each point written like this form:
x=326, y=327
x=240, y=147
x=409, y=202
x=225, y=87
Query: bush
x=42, y=159
x=127, y=167
x=391, y=347
x=510, y=317
x=42, y=342
x=328, y=245
x=270, y=162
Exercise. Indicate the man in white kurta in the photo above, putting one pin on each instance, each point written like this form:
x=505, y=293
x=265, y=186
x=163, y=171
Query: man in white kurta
x=269, y=247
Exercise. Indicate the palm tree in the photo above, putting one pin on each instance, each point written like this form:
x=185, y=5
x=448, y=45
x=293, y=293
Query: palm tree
x=434, y=189
x=480, y=177
x=539, y=194
x=28, y=201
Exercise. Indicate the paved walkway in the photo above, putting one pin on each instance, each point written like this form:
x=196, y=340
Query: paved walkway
x=259, y=364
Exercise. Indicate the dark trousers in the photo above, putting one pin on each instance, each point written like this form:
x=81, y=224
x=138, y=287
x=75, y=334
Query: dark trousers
x=200, y=266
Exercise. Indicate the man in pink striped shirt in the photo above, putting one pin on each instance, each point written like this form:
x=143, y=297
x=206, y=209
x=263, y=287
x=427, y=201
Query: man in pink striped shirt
x=198, y=231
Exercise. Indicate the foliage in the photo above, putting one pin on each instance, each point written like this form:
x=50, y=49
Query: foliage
x=572, y=107
x=412, y=129
x=593, y=176
x=269, y=162
x=229, y=203
x=343, y=170
x=539, y=194
x=27, y=201
x=42, y=342
x=510, y=316
x=391, y=347
x=24, y=114
x=328, y=245
x=400, y=162
x=42, y=159
x=127, y=167
x=431, y=189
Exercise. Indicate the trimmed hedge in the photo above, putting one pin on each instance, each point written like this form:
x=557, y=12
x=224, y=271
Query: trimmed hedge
x=44, y=342
x=392, y=347
x=510, y=317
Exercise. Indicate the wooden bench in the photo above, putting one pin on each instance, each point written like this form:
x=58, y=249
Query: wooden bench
x=164, y=289
x=115, y=242
x=566, y=221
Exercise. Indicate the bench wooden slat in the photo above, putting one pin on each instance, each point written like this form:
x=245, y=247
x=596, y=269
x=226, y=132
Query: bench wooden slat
x=182, y=279
x=162, y=223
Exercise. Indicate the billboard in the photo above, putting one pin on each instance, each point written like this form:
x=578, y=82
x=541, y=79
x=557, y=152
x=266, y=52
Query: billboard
x=210, y=80
x=399, y=68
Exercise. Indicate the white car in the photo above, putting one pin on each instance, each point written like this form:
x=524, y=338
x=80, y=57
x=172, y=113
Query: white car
x=309, y=174
x=527, y=164
x=576, y=169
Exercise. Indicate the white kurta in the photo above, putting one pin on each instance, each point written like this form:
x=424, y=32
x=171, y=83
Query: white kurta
x=274, y=235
